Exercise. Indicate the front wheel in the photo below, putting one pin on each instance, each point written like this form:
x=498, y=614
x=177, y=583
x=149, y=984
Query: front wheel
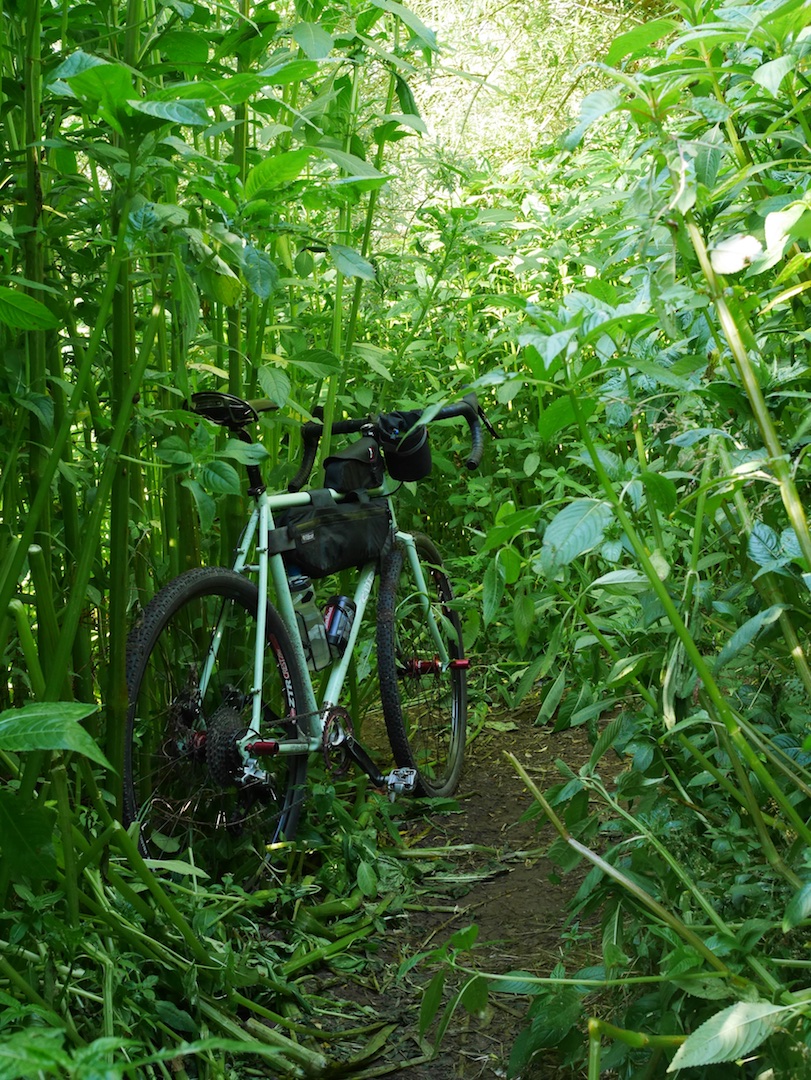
x=423, y=677
x=190, y=662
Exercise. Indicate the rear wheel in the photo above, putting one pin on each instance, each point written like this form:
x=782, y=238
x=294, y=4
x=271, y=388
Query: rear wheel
x=424, y=697
x=182, y=770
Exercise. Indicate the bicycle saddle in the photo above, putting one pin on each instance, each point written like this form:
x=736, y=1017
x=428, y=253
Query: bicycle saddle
x=228, y=410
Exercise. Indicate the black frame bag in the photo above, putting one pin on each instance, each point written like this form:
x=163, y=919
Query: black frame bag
x=356, y=468
x=327, y=537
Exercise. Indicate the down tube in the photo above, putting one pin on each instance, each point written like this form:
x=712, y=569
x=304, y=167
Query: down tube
x=363, y=591
x=407, y=541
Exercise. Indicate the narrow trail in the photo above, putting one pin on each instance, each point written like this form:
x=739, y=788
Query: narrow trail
x=494, y=873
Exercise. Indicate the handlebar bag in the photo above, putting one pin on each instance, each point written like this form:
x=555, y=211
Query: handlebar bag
x=356, y=468
x=327, y=537
x=406, y=458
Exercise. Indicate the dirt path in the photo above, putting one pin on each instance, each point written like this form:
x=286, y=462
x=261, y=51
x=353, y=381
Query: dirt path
x=505, y=889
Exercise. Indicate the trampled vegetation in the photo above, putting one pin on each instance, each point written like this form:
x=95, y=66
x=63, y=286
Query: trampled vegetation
x=204, y=196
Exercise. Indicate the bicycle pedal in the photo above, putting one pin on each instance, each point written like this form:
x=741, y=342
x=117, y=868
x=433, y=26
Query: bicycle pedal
x=401, y=782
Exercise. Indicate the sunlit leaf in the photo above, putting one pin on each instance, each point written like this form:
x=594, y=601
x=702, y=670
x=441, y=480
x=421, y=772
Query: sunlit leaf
x=415, y=25
x=275, y=384
x=313, y=40
x=593, y=106
x=734, y=254
x=276, y=171
x=350, y=263
x=634, y=41
x=189, y=113
x=51, y=725
x=576, y=529
x=731, y=1034
x=771, y=74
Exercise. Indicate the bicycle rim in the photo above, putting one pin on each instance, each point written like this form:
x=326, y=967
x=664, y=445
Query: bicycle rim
x=182, y=769
x=424, y=700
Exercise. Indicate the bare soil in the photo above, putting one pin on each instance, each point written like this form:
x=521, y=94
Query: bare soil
x=506, y=886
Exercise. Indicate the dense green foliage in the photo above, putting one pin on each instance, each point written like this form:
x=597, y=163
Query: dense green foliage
x=201, y=199
x=656, y=553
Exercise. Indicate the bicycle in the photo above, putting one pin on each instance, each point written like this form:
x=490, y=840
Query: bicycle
x=223, y=714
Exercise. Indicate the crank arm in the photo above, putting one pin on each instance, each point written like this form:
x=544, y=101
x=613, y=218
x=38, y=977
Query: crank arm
x=398, y=782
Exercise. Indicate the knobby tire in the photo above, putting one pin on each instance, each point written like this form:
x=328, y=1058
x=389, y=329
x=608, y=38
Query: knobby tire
x=425, y=709
x=181, y=761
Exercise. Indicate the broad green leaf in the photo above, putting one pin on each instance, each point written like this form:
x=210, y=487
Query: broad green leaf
x=662, y=490
x=552, y=699
x=24, y=312
x=493, y=592
x=523, y=616
x=354, y=169
x=763, y=546
x=559, y=415
x=175, y=1018
x=522, y=983
x=206, y=507
x=220, y=282
x=321, y=363
x=176, y=866
x=367, y=879
x=431, y=1001
x=548, y=346
x=474, y=995
x=576, y=529
x=289, y=71
x=621, y=581
x=26, y=835
x=510, y=524
x=690, y=438
x=188, y=113
x=709, y=156
x=49, y=725
x=41, y=406
x=798, y=909
x=276, y=171
x=509, y=564
x=531, y=463
x=771, y=74
x=351, y=263
x=627, y=668
x=415, y=25
x=259, y=272
x=245, y=453
x=378, y=359
x=76, y=63
x=221, y=478
x=731, y=1034
x=405, y=97
x=275, y=384
x=636, y=40
x=184, y=47
x=33, y=1052
x=593, y=106
x=174, y=451
x=313, y=40
x=748, y=633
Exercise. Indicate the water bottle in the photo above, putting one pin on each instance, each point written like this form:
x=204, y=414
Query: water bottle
x=339, y=615
x=310, y=621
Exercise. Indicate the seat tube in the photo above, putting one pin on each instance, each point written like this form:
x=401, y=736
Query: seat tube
x=261, y=616
x=425, y=596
